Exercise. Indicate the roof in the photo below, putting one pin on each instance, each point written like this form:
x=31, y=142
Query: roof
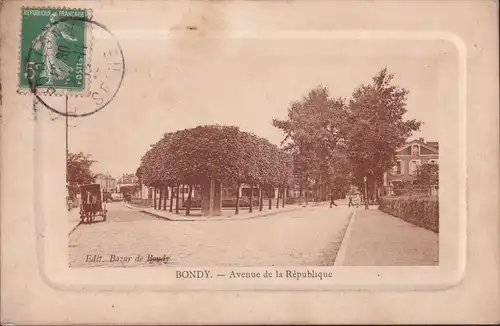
x=433, y=145
x=103, y=176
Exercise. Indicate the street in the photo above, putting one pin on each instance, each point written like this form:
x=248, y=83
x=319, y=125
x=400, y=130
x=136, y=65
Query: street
x=305, y=237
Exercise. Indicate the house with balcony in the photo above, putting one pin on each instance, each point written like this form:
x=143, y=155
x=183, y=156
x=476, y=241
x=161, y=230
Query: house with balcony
x=408, y=160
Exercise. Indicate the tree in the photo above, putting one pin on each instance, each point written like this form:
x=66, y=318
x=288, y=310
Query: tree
x=314, y=136
x=428, y=175
x=376, y=128
x=213, y=153
x=78, y=171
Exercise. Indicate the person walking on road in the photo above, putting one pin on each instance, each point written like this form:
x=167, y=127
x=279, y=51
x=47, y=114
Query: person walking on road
x=350, y=201
x=332, y=200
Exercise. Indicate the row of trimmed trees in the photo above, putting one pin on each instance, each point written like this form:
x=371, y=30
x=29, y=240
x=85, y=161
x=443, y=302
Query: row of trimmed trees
x=208, y=157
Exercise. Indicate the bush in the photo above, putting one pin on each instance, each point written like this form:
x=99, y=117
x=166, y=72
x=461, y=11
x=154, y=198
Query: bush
x=421, y=211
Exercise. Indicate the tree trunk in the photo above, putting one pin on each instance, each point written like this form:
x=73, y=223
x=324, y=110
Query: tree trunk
x=165, y=199
x=261, y=200
x=182, y=195
x=177, y=200
x=237, y=209
x=307, y=197
x=154, y=197
x=189, y=200
x=300, y=194
x=160, y=198
x=171, y=199
x=278, y=198
x=217, y=198
x=270, y=197
x=284, y=197
x=250, y=209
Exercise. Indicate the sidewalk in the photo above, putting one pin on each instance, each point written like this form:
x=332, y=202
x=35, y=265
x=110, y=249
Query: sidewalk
x=374, y=238
x=73, y=219
x=227, y=214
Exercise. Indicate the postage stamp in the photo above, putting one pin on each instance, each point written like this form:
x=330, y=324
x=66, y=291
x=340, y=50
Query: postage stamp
x=59, y=56
x=54, y=49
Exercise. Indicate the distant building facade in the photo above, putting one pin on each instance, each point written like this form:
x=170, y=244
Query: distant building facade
x=408, y=160
x=107, y=182
x=129, y=180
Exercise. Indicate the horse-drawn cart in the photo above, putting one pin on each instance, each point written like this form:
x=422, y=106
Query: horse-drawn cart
x=93, y=203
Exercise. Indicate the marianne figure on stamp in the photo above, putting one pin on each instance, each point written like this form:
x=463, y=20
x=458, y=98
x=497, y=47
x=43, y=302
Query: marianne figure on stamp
x=53, y=53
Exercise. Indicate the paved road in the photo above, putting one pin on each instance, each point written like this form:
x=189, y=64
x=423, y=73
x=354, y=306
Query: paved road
x=309, y=237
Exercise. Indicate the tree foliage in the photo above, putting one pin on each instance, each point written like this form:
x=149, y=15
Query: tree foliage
x=428, y=175
x=79, y=169
x=337, y=142
x=223, y=153
x=314, y=136
x=376, y=127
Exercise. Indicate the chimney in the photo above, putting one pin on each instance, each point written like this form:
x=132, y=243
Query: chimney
x=421, y=139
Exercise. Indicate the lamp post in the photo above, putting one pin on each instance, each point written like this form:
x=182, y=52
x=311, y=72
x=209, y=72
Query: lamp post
x=365, y=179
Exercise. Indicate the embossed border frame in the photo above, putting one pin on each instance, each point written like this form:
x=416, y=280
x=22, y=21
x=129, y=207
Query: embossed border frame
x=448, y=273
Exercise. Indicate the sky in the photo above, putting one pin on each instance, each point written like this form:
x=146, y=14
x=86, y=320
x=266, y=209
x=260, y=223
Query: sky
x=174, y=83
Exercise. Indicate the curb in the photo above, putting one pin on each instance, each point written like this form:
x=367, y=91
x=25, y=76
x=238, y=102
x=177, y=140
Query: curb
x=341, y=254
x=129, y=206
x=158, y=216
x=74, y=228
x=217, y=218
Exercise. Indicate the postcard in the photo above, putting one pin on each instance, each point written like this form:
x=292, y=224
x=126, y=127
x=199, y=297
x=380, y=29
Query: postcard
x=161, y=159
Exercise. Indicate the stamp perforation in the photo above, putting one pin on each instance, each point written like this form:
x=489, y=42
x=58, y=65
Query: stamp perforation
x=89, y=46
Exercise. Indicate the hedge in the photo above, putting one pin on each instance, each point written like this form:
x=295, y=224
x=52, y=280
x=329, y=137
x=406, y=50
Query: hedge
x=421, y=211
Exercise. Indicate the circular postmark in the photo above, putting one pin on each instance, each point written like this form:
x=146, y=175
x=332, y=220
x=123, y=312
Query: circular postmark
x=63, y=62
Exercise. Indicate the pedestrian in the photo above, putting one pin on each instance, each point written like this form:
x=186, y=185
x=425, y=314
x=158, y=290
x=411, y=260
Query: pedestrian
x=332, y=200
x=70, y=203
x=358, y=200
x=350, y=201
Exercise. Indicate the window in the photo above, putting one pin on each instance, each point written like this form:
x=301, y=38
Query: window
x=398, y=168
x=433, y=161
x=414, y=164
x=415, y=150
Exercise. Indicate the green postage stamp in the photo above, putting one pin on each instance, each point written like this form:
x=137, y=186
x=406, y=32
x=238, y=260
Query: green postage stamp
x=54, y=49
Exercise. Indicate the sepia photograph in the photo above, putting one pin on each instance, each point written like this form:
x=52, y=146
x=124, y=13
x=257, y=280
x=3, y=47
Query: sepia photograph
x=299, y=150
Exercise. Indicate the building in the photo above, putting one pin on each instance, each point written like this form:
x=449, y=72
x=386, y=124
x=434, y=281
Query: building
x=408, y=159
x=107, y=182
x=129, y=181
